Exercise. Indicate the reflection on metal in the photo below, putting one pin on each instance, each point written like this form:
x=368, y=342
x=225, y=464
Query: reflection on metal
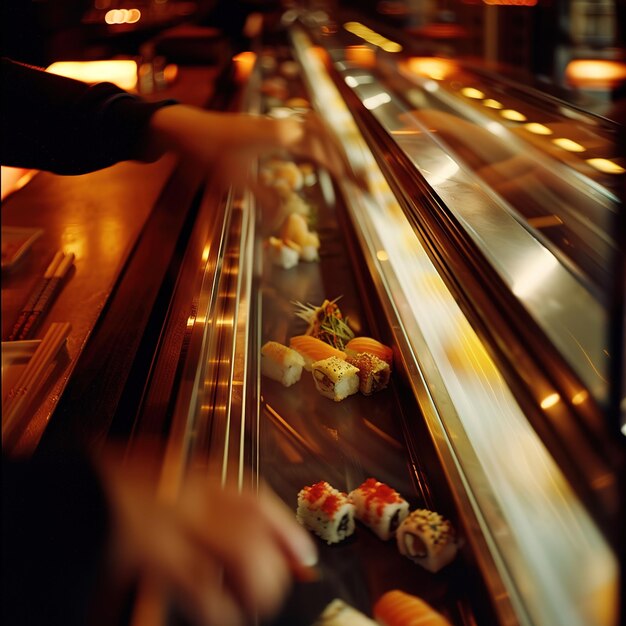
x=606, y=166
x=513, y=115
x=544, y=221
x=550, y=401
x=537, y=129
x=382, y=255
x=568, y=144
x=533, y=529
x=383, y=435
x=375, y=101
x=310, y=446
x=534, y=272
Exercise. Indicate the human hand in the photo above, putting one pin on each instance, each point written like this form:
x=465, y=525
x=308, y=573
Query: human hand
x=223, y=557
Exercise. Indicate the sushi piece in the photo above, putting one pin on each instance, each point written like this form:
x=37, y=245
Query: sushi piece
x=379, y=507
x=326, y=511
x=428, y=539
x=293, y=203
x=339, y=613
x=308, y=174
x=397, y=608
x=334, y=378
x=312, y=349
x=282, y=174
x=373, y=372
x=367, y=344
x=284, y=253
x=296, y=229
x=281, y=363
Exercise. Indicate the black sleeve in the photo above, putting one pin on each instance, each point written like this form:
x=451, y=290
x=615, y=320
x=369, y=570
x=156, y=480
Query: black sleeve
x=66, y=126
x=54, y=532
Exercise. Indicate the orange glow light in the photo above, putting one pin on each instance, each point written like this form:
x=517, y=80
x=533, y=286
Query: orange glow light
x=122, y=73
x=432, y=67
x=361, y=55
x=244, y=62
x=595, y=73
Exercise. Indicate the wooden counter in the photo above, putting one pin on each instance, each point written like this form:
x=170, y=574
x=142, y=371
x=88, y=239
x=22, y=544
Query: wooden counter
x=122, y=223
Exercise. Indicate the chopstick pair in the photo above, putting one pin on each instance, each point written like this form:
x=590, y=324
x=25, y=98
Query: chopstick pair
x=42, y=297
x=33, y=377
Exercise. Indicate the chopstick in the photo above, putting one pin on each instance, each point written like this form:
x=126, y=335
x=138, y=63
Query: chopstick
x=33, y=376
x=35, y=295
x=43, y=296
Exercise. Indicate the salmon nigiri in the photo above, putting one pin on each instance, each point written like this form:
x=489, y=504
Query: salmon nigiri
x=397, y=608
x=312, y=349
x=372, y=346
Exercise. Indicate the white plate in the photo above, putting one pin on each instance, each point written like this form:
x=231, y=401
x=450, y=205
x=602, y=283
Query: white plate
x=15, y=242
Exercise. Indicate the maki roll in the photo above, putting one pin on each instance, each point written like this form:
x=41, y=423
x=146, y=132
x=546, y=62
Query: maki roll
x=397, y=608
x=374, y=373
x=428, y=539
x=339, y=613
x=371, y=346
x=326, y=511
x=334, y=378
x=281, y=363
x=379, y=507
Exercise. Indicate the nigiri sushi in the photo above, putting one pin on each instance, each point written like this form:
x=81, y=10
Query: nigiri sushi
x=373, y=346
x=373, y=372
x=339, y=613
x=427, y=538
x=312, y=349
x=281, y=363
x=326, y=511
x=397, y=608
x=379, y=507
x=284, y=253
x=334, y=378
x=296, y=229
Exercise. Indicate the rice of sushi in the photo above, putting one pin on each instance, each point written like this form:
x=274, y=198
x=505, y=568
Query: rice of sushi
x=427, y=538
x=334, y=378
x=281, y=363
x=379, y=507
x=326, y=511
x=339, y=613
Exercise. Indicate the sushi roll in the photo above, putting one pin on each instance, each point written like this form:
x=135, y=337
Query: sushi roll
x=312, y=349
x=428, y=539
x=284, y=253
x=334, y=378
x=373, y=372
x=397, y=608
x=373, y=346
x=281, y=363
x=379, y=507
x=339, y=613
x=326, y=511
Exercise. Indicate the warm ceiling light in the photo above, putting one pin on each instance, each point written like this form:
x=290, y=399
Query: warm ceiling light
x=437, y=69
x=513, y=115
x=471, y=92
x=537, y=129
x=595, y=73
x=568, y=144
x=493, y=104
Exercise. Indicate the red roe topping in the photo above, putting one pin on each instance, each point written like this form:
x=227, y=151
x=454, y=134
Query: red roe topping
x=333, y=499
x=378, y=493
